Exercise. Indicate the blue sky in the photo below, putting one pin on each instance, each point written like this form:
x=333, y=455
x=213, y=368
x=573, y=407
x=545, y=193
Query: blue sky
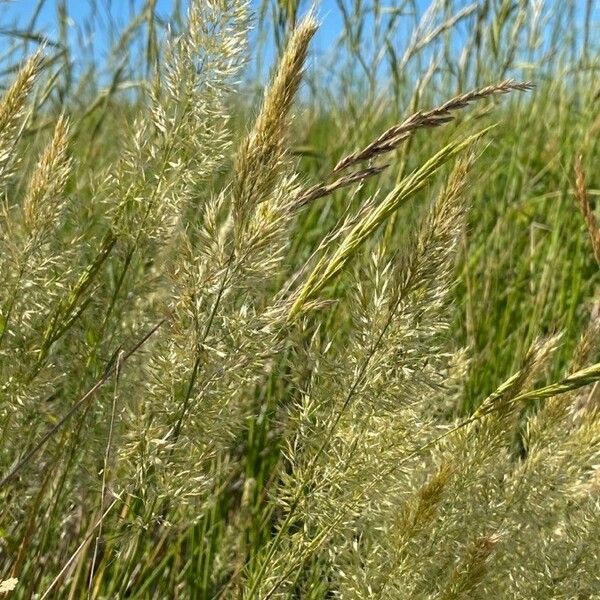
x=116, y=14
x=17, y=13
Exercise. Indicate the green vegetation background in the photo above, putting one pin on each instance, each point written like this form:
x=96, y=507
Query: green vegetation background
x=525, y=265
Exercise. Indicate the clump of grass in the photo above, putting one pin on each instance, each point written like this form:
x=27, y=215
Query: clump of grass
x=192, y=406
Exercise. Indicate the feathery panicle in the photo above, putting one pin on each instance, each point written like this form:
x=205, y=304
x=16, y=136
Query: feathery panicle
x=437, y=240
x=37, y=267
x=355, y=423
x=13, y=101
x=187, y=139
x=42, y=204
x=219, y=284
x=201, y=68
x=587, y=399
x=261, y=155
x=11, y=111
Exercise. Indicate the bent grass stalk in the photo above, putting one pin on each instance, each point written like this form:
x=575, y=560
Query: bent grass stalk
x=327, y=268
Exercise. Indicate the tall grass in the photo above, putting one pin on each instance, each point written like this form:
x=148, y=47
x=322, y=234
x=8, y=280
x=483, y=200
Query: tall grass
x=338, y=342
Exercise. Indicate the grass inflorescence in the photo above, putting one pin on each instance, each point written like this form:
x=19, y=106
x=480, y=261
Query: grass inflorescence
x=298, y=344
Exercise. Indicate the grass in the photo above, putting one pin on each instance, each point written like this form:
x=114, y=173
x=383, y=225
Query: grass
x=338, y=339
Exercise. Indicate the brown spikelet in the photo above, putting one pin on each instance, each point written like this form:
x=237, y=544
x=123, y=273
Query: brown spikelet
x=260, y=156
x=324, y=189
x=391, y=139
x=418, y=514
x=472, y=568
x=585, y=207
